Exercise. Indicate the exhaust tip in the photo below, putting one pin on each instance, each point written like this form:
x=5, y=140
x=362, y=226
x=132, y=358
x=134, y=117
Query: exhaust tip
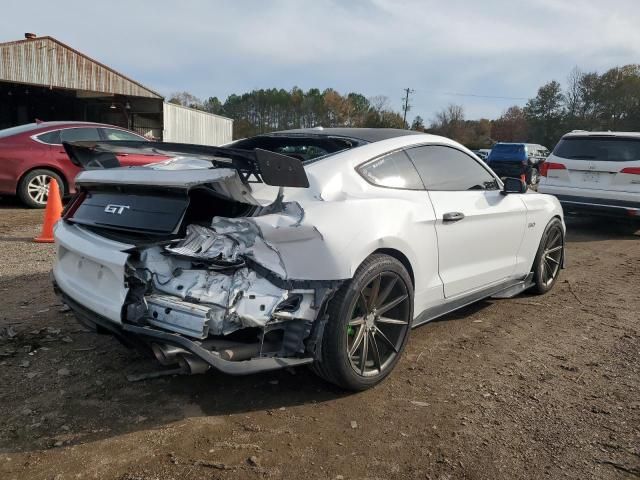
x=166, y=354
x=192, y=365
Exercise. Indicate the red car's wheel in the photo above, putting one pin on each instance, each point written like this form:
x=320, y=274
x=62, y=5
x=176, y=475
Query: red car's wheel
x=34, y=187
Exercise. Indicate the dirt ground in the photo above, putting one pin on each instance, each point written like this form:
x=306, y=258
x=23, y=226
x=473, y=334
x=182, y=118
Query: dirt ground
x=532, y=387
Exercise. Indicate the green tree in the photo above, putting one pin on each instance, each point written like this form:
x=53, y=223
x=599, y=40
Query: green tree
x=418, y=124
x=545, y=114
x=213, y=105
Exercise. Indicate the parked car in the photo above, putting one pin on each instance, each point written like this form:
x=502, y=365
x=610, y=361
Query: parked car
x=32, y=154
x=516, y=159
x=245, y=260
x=595, y=173
x=482, y=153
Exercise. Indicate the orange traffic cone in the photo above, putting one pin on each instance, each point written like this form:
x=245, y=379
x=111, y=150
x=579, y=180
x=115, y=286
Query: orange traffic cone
x=52, y=213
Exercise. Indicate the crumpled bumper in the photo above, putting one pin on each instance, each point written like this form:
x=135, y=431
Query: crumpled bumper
x=132, y=334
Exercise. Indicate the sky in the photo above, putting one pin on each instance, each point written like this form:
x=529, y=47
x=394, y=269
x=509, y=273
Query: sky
x=454, y=51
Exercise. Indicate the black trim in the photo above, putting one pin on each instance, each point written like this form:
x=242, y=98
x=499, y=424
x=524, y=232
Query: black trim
x=506, y=289
x=591, y=201
x=273, y=168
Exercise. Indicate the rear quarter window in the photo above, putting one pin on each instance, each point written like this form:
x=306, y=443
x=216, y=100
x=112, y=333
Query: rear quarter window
x=52, y=138
x=599, y=149
x=393, y=170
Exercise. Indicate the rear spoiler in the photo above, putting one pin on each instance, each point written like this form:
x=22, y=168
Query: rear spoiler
x=253, y=165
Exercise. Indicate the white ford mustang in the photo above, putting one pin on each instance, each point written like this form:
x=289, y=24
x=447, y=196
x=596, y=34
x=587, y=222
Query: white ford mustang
x=313, y=246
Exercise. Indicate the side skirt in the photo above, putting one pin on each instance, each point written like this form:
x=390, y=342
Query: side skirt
x=507, y=289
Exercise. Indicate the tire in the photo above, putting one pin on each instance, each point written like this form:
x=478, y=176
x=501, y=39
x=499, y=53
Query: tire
x=34, y=187
x=384, y=332
x=548, y=261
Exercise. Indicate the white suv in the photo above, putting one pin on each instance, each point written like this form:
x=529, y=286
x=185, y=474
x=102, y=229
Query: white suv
x=595, y=172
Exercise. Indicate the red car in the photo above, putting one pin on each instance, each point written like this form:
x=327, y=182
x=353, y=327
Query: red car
x=31, y=155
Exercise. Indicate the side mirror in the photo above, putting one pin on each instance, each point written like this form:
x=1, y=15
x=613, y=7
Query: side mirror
x=513, y=185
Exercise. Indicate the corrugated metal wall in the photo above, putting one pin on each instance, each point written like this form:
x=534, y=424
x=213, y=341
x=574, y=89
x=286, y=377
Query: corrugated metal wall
x=186, y=125
x=48, y=62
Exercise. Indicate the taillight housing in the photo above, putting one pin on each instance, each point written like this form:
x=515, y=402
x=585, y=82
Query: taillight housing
x=73, y=205
x=631, y=170
x=546, y=166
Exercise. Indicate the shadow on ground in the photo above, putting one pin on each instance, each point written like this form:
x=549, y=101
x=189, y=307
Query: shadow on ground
x=590, y=229
x=60, y=381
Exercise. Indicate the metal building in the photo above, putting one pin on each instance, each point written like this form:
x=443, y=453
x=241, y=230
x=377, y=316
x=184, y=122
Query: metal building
x=42, y=78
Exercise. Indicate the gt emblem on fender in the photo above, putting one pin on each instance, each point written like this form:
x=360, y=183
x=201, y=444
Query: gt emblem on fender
x=116, y=209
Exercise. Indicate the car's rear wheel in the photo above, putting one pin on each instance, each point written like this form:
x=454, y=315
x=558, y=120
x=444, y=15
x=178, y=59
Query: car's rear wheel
x=548, y=261
x=368, y=326
x=33, y=190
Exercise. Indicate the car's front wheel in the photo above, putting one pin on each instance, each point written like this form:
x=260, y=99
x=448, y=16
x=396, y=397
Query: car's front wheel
x=368, y=326
x=548, y=261
x=33, y=189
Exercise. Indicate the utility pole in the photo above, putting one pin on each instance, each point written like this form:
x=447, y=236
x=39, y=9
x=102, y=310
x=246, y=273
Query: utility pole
x=405, y=103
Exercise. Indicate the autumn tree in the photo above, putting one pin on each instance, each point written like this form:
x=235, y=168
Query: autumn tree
x=449, y=122
x=511, y=126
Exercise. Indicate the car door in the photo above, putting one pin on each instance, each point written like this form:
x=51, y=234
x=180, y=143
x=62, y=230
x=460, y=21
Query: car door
x=129, y=159
x=479, y=229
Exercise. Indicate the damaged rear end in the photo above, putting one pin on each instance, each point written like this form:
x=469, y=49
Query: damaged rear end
x=180, y=258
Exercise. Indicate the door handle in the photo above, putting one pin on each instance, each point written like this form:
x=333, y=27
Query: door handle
x=451, y=217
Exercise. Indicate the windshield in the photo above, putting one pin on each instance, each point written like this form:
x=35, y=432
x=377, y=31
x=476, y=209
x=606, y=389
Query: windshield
x=610, y=149
x=7, y=132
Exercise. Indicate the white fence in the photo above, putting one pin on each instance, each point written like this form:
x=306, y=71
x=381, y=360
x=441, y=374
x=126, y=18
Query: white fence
x=187, y=125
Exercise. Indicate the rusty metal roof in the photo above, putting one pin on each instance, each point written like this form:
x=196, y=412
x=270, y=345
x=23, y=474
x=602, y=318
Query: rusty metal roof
x=48, y=62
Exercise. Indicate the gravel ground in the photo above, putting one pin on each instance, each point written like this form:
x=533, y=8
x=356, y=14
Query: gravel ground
x=532, y=387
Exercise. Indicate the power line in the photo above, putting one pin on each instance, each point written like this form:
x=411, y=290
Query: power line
x=482, y=96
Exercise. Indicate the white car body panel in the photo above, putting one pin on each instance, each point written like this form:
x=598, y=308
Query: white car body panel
x=91, y=269
x=493, y=256
x=342, y=219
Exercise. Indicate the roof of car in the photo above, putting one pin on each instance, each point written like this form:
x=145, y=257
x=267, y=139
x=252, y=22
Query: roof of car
x=365, y=134
x=585, y=133
x=61, y=123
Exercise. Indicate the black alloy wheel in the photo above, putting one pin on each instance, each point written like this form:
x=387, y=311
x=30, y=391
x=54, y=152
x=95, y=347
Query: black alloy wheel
x=369, y=321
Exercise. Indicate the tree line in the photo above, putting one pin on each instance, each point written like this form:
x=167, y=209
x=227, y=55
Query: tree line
x=267, y=110
x=588, y=101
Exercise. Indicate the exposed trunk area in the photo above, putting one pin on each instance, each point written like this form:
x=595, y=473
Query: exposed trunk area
x=202, y=268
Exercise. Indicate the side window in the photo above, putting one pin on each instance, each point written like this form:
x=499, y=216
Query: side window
x=449, y=169
x=394, y=170
x=79, y=134
x=113, y=134
x=52, y=138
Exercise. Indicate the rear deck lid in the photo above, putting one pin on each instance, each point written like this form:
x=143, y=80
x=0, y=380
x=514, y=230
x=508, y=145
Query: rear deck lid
x=150, y=199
